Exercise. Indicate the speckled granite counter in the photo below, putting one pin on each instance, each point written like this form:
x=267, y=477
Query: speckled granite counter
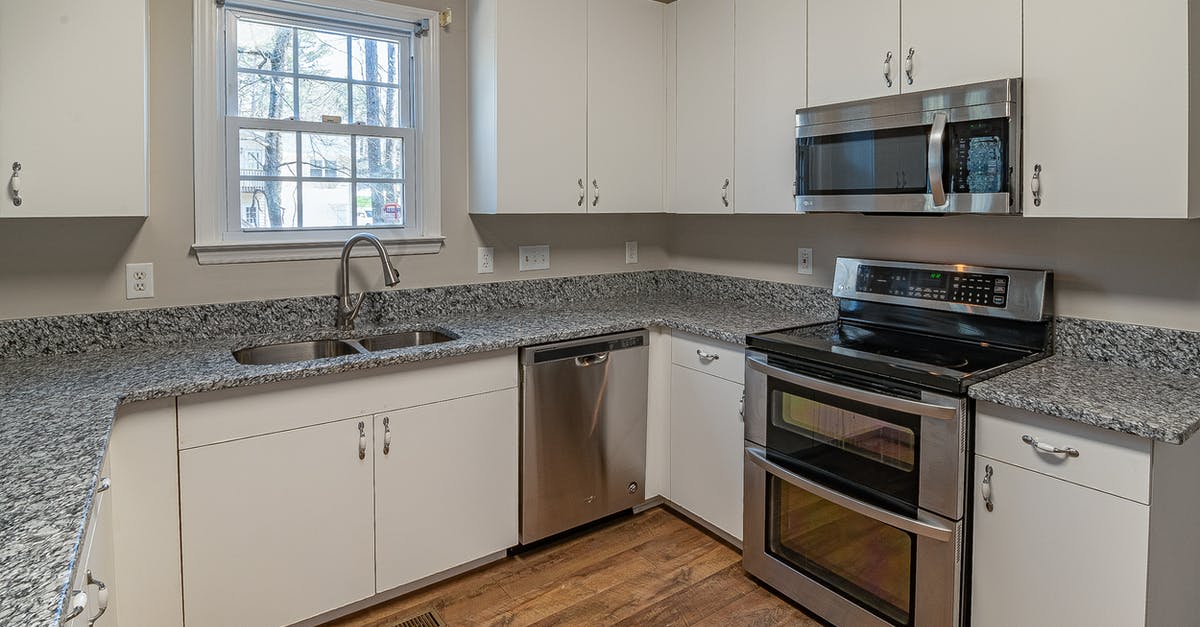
x=56, y=409
x=1128, y=378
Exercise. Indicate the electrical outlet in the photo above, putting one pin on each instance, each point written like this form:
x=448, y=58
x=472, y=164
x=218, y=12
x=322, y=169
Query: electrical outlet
x=486, y=262
x=535, y=258
x=139, y=280
x=631, y=252
x=804, y=264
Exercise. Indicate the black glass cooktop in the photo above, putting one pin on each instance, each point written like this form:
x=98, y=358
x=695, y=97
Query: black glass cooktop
x=944, y=363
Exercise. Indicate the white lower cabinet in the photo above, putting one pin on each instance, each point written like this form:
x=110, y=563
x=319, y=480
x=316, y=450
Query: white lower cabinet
x=445, y=485
x=278, y=528
x=707, y=447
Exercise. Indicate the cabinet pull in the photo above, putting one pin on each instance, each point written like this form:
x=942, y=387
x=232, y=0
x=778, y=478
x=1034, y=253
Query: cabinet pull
x=105, y=484
x=582, y=192
x=706, y=356
x=596, y=191
x=362, y=440
x=887, y=69
x=725, y=193
x=908, y=65
x=15, y=183
x=78, y=604
x=1036, y=185
x=387, y=435
x=101, y=598
x=1047, y=448
x=986, y=488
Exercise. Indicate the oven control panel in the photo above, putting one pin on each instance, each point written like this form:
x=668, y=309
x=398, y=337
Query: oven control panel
x=966, y=288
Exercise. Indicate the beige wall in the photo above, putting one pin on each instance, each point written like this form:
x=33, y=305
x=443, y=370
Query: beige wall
x=74, y=266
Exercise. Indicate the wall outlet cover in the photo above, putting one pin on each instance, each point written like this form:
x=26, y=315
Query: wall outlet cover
x=139, y=280
x=804, y=262
x=486, y=261
x=534, y=258
x=631, y=252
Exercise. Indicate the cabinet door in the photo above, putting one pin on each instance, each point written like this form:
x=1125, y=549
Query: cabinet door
x=1106, y=108
x=771, y=85
x=542, y=105
x=704, y=109
x=73, y=97
x=96, y=559
x=707, y=446
x=626, y=110
x=957, y=42
x=849, y=43
x=277, y=528
x=446, y=487
x=1055, y=553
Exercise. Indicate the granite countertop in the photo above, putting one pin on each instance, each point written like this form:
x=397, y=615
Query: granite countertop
x=56, y=410
x=1163, y=406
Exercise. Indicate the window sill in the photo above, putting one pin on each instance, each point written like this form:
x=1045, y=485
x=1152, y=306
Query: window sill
x=260, y=252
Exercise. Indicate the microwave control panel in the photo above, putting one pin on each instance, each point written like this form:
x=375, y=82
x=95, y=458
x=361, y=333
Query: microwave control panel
x=967, y=288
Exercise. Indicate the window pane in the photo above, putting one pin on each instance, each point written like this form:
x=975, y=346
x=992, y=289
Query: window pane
x=268, y=204
x=380, y=204
x=380, y=157
x=377, y=106
x=327, y=205
x=323, y=54
x=264, y=46
x=266, y=97
x=326, y=155
x=376, y=61
x=318, y=98
x=267, y=153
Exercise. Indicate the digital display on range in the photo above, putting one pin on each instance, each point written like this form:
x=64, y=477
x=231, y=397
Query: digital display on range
x=967, y=288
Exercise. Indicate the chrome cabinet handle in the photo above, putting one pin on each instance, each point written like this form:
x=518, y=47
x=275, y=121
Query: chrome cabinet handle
x=887, y=69
x=1047, y=448
x=936, y=158
x=78, y=604
x=362, y=440
x=742, y=406
x=582, y=192
x=908, y=66
x=15, y=184
x=707, y=356
x=725, y=193
x=1036, y=185
x=105, y=484
x=986, y=488
x=101, y=598
x=387, y=435
x=596, y=192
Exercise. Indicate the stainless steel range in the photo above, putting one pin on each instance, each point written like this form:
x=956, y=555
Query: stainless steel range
x=858, y=431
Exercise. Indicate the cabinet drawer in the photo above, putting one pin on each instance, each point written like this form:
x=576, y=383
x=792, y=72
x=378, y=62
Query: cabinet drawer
x=711, y=356
x=225, y=415
x=1117, y=463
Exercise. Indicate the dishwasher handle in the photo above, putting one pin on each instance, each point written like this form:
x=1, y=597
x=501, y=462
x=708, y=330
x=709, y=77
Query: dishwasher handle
x=592, y=360
x=589, y=351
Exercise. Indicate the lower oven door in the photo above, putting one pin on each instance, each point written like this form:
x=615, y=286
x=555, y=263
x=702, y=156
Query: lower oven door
x=851, y=562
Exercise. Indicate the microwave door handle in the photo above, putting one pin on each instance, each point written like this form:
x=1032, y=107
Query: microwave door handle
x=937, y=159
x=924, y=526
x=944, y=412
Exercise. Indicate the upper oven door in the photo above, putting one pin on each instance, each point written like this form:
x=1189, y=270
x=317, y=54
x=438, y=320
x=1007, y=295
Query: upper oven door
x=900, y=453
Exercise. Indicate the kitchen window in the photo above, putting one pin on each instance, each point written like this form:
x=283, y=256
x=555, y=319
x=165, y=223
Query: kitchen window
x=314, y=122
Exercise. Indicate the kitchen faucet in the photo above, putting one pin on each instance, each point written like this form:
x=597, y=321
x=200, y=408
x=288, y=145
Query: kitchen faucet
x=347, y=312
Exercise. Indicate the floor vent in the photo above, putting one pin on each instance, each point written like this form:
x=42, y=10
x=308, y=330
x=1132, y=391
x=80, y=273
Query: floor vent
x=425, y=619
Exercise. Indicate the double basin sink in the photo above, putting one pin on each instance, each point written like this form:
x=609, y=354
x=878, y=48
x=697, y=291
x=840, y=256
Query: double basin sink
x=323, y=349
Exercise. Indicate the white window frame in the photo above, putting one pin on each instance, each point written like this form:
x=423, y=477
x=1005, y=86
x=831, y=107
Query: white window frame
x=219, y=236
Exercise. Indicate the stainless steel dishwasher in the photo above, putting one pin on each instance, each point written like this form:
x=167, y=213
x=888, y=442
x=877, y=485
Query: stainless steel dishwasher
x=583, y=431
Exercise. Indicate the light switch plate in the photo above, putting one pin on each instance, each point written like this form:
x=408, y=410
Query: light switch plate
x=139, y=280
x=486, y=262
x=804, y=262
x=631, y=252
x=534, y=258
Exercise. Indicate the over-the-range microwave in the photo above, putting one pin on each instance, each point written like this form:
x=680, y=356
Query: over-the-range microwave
x=954, y=150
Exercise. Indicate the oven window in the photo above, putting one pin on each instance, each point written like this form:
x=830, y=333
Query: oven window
x=879, y=441
x=888, y=161
x=859, y=557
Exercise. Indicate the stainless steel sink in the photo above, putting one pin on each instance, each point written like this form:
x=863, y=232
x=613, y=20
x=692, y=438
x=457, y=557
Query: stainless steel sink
x=322, y=349
x=404, y=340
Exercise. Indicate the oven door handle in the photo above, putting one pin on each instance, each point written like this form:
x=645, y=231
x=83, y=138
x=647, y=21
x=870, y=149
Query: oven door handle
x=944, y=412
x=923, y=525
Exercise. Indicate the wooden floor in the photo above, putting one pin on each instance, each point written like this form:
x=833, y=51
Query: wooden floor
x=654, y=568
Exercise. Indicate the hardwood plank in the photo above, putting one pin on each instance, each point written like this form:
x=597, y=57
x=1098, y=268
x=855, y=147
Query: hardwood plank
x=697, y=601
x=758, y=607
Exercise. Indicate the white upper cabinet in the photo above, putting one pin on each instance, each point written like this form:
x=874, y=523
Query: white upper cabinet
x=626, y=113
x=1107, y=121
x=73, y=98
x=853, y=50
x=704, y=53
x=957, y=42
x=770, y=85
